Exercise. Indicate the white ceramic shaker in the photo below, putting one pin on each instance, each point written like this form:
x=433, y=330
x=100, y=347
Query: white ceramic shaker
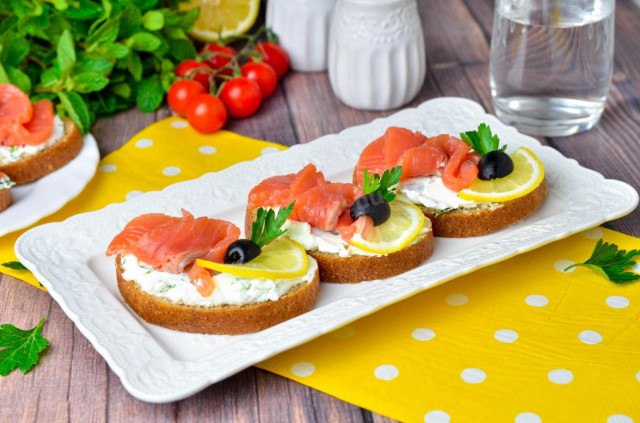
x=302, y=27
x=376, y=53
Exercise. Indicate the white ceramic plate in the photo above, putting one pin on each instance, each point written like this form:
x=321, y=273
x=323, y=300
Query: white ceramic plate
x=161, y=365
x=32, y=202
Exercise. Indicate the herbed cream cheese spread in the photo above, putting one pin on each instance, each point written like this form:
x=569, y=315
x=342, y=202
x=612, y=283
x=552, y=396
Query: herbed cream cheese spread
x=312, y=238
x=431, y=192
x=6, y=183
x=14, y=153
x=229, y=289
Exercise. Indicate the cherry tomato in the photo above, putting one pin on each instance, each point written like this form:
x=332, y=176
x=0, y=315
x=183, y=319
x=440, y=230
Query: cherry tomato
x=181, y=93
x=241, y=96
x=275, y=56
x=206, y=113
x=185, y=68
x=217, y=56
x=263, y=75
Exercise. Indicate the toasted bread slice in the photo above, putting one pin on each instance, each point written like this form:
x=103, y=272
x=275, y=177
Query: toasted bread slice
x=358, y=268
x=5, y=198
x=52, y=158
x=227, y=320
x=485, y=219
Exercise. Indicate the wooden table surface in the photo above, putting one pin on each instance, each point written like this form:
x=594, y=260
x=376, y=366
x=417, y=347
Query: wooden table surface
x=73, y=382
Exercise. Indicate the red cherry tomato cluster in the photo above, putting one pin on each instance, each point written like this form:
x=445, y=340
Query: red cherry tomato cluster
x=217, y=85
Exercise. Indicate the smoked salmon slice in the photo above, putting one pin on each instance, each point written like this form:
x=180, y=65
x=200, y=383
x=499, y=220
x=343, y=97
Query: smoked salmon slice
x=322, y=204
x=172, y=244
x=442, y=155
x=23, y=123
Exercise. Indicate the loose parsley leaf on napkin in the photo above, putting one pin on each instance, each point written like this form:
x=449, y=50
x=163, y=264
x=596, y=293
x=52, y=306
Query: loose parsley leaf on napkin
x=21, y=347
x=482, y=140
x=267, y=225
x=382, y=185
x=610, y=262
x=15, y=265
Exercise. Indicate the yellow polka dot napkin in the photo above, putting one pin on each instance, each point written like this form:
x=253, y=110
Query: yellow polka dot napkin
x=166, y=152
x=521, y=341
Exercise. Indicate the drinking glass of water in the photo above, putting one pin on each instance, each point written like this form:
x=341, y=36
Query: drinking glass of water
x=551, y=63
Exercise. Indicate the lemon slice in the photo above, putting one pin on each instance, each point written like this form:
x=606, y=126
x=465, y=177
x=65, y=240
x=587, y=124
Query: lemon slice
x=527, y=174
x=222, y=18
x=281, y=259
x=402, y=227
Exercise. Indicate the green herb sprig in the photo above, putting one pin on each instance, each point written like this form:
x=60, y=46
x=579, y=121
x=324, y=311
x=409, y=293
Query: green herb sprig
x=482, y=140
x=610, y=262
x=21, y=347
x=267, y=225
x=15, y=265
x=382, y=185
x=94, y=57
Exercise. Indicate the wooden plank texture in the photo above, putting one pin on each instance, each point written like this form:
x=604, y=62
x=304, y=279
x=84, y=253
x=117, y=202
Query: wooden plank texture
x=73, y=382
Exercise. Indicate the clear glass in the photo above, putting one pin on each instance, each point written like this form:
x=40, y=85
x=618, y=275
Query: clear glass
x=551, y=63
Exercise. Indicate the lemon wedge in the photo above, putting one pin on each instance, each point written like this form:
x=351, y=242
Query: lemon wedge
x=528, y=173
x=280, y=259
x=402, y=227
x=222, y=18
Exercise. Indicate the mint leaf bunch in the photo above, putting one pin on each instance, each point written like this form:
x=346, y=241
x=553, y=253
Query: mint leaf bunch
x=267, y=225
x=93, y=58
x=20, y=347
x=610, y=262
x=383, y=185
x=482, y=140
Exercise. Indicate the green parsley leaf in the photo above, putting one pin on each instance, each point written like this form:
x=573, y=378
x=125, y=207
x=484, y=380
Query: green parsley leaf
x=15, y=265
x=610, y=262
x=382, y=185
x=21, y=347
x=267, y=225
x=443, y=211
x=482, y=140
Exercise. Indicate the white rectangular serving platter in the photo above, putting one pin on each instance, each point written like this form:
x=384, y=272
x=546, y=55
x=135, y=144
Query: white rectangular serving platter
x=161, y=365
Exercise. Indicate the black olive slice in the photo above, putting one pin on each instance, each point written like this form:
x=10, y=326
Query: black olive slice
x=241, y=251
x=495, y=164
x=372, y=205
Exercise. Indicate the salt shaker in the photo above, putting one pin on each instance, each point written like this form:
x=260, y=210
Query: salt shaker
x=376, y=53
x=302, y=27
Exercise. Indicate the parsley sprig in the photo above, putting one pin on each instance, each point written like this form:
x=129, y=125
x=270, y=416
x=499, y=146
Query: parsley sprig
x=15, y=265
x=382, y=185
x=21, y=347
x=267, y=225
x=610, y=262
x=482, y=140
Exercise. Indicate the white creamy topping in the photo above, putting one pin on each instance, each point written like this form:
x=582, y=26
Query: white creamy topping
x=431, y=192
x=229, y=289
x=5, y=182
x=312, y=238
x=10, y=154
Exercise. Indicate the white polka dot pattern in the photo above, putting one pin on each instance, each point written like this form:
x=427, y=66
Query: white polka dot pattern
x=437, y=416
x=179, y=124
x=108, y=168
x=144, y=143
x=207, y=149
x=171, y=171
x=619, y=418
x=590, y=337
x=537, y=300
x=303, y=369
x=457, y=299
x=616, y=301
x=386, y=372
x=560, y=376
x=472, y=375
x=528, y=418
x=506, y=335
x=423, y=334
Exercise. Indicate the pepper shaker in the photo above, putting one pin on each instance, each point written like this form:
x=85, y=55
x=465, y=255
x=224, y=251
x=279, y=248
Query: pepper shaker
x=376, y=53
x=302, y=27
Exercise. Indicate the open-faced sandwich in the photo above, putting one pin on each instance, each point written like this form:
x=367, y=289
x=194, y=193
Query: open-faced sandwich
x=354, y=233
x=5, y=191
x=34, y=141
x=466, y=187
x=195, y=275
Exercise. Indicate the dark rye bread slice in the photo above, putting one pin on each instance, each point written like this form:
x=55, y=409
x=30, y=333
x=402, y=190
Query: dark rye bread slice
x=221, y=320
x=5, y=198
x=358, y=268
x=483, y=220
x=52, y=158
